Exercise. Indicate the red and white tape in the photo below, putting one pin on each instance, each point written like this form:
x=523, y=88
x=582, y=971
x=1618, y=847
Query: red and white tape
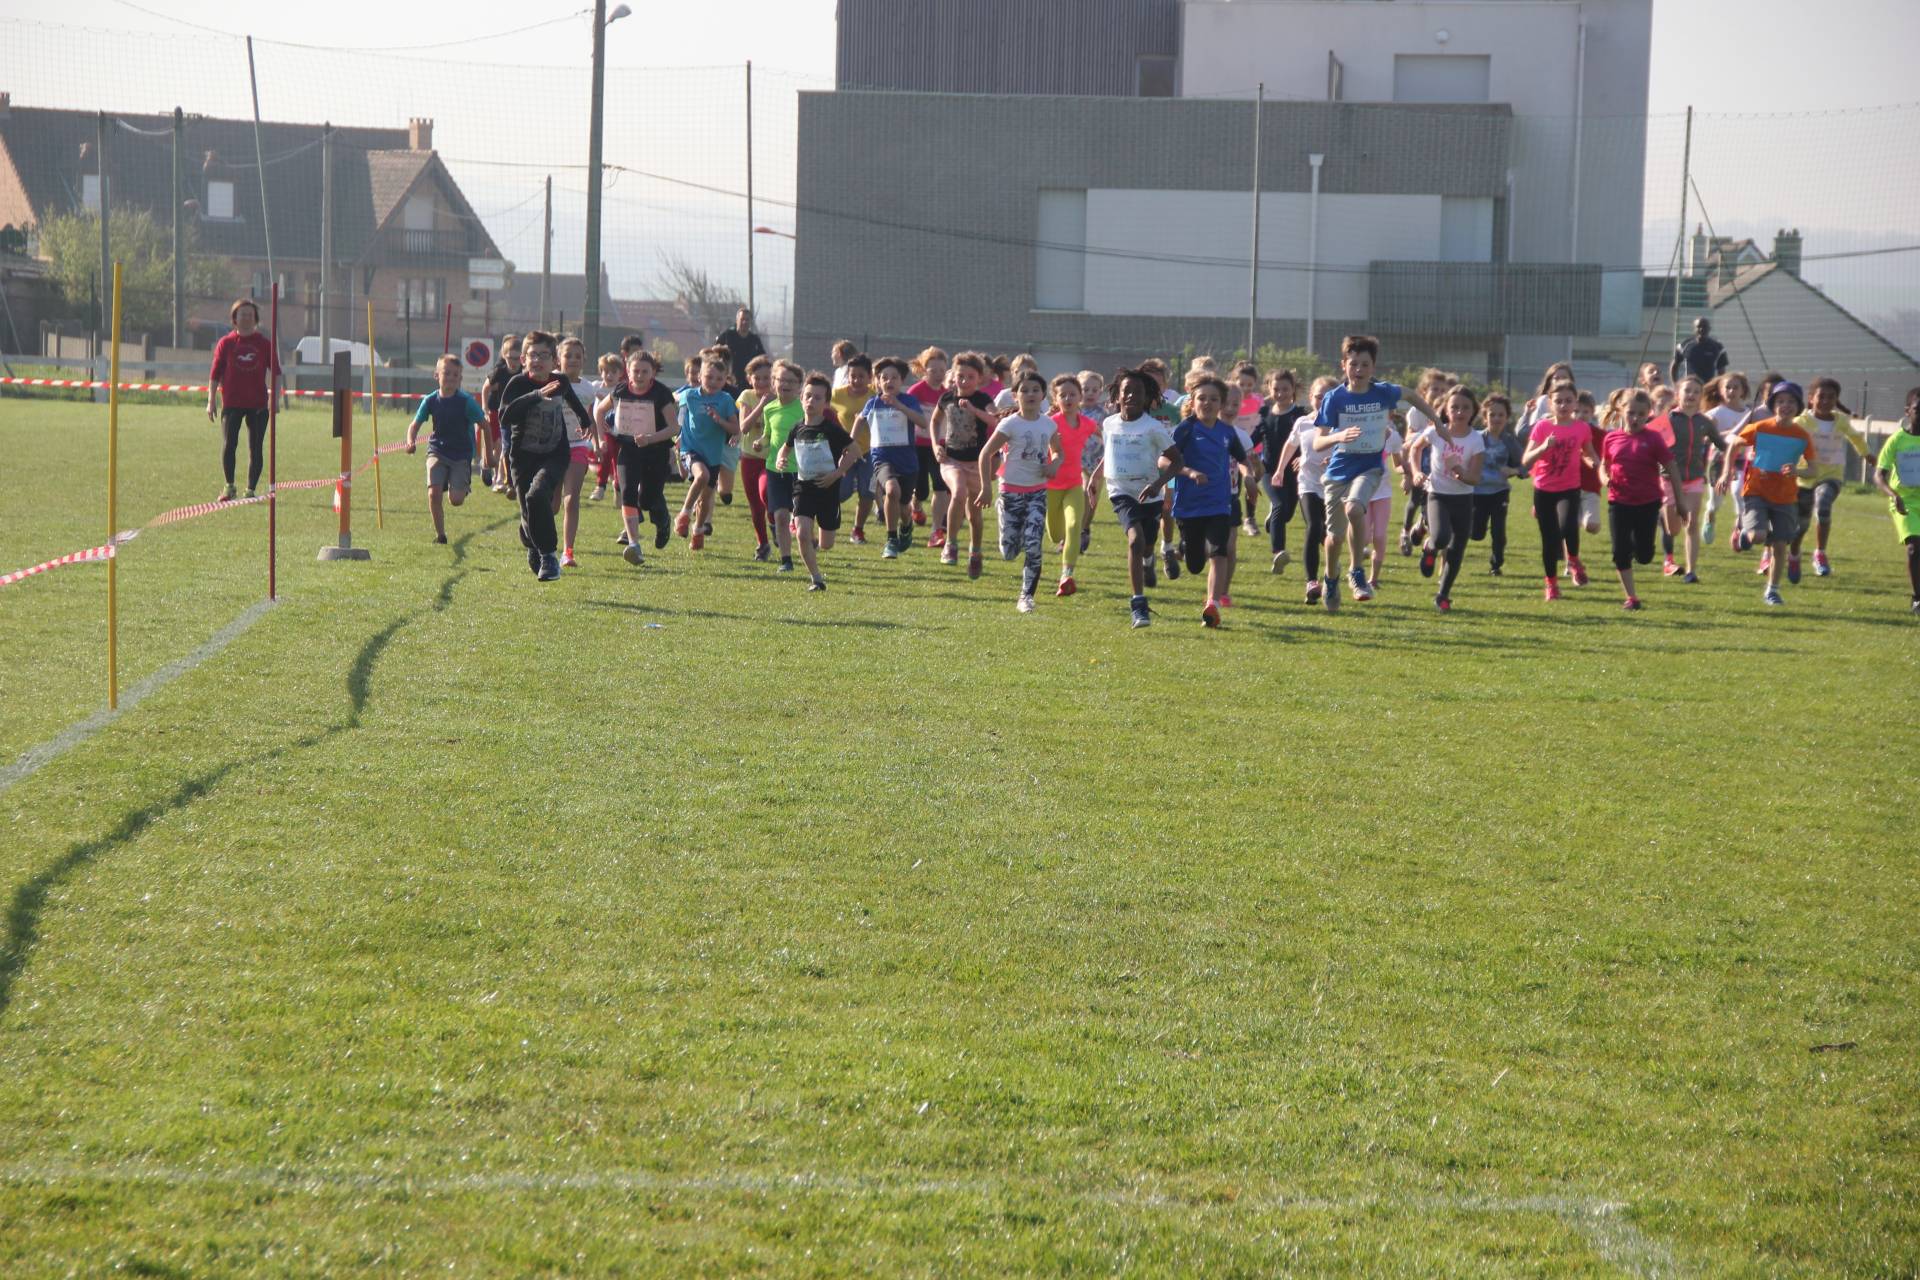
x=78, y=557
x=82, y=384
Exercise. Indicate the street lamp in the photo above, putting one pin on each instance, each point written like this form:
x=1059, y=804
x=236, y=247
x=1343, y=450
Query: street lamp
x=601, y=19
x=769, y=231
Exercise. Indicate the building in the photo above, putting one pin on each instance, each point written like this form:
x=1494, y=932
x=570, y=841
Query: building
x=402, y=233
x=1430, y=172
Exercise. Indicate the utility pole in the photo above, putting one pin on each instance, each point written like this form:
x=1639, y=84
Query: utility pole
x=750, y=301
x=101, y=326
x=546, y=258
x=179, y=231
x=590, y=323
x=1253, y=288
x=1686, y=176
x=260, y=170
x=326, y=233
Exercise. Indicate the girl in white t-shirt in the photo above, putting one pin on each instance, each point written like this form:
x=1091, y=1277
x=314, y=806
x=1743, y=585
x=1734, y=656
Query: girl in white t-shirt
x=1726, y=401
x=1032, y=445
x=1448, y=470
x=1309, y=465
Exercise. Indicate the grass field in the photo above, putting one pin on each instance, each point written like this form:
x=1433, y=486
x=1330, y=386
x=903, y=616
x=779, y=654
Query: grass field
x=674, y=920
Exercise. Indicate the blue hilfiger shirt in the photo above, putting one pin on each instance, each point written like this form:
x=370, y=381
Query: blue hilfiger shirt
x=1368, y=410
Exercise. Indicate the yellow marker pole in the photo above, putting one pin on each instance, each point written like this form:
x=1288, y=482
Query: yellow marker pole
x=113, y=504
x=373, y=407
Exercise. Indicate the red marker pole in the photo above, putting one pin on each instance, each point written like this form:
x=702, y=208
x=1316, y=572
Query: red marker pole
x=273, y=454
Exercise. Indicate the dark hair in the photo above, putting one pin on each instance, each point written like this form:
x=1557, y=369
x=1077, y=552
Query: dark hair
x=233, y=312
x=1061, y=381
x=895, y=363
x=1001, y=363
x=758, y=363
x=1246, y=369
x=1355, y=344
x=692, y=364
x=1497, y=399
x=818, y=379
x=1031, y=375
x=540, y=338
x=1462, y=389
x=1557, y=370
x=1824, y=383
x=632, y=342
x=1150, y=383
x=860, y=360
x=1291, y=376
x=509, y=340
x=970, y=360
x=1913, y=397
x=641, y=353
x=1213, y=380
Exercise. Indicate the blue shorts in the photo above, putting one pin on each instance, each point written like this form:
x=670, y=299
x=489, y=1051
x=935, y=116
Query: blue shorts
x=1135, y=514
x=860, y=479
x=779, y=490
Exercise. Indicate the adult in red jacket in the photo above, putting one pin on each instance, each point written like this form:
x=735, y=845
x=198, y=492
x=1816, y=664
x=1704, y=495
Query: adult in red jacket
x=240, y=389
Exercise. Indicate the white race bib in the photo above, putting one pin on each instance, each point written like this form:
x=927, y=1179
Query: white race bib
x=633, y=418
x=814, y=458
x=1373, y=431
x=889, y=428
x=1906, y=465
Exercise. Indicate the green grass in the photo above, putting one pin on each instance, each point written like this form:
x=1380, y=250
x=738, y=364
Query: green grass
x=452, y=921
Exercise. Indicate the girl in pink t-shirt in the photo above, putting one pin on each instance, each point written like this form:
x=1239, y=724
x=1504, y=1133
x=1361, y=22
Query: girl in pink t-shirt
x=931, y=365
x=1555, y=451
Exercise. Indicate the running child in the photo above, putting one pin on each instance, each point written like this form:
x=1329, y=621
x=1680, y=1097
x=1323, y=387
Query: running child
x=1096, y=402
x=1692, y=436
x=1210, y=457
x=1448, y=459
x=1640, y=470
x=1067, y=502
x=1832, y=431
x=454, y=414
x=1396, y=458
x=1033, y=449
x=819, y=454
x=1492, y=493
x=849, y=399
x=931, y=368
x=1726, y=403
x=1353, y=422
x=1248, y=408
x=1278, y=414
x=711, y=423
x=1769, y=494
x=1308, y=463
x=1167, y=409
x=890, y=418
x=777, y=422
x=963, y=418
x=583, y=441
x=1555, y=452
x=1433, y=384
x=641, y=418
x=1137, y=454
x=753, y=465
x=537, y=407
x=1897, y=474
x=493, y=458
x=240, y=391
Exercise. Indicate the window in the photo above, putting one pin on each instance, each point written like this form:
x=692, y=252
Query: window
x=419, y=213
x=1466, y=228
x=1441, y=77
x=418, y=297
x=90, y=191
x=1060, y=257
x=1153, y=76
x=220, y=200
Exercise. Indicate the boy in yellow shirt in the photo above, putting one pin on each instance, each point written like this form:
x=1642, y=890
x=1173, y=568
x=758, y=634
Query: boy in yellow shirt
x=1831, y=431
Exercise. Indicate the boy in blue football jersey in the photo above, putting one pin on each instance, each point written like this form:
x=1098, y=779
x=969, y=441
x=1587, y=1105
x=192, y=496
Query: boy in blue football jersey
x=454, y=414
x=1209, y=452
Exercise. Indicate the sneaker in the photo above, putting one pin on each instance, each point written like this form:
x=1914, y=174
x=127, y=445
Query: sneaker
x=697, y=541
x=1362, y=589
x=227, y=494
x=1406, y=543
x=937, y=539
x=1330, y=594
x=1427, y=556
x=1772, y=597
x=549, y=567
x=706, y=528
x=786, y=565
x=949, y=555
x=1210, y=615
x=1024, y=604
x=440, y=539
x=858, y=537
x=599, y=492
x=1691, y=578
x=661, y=535
x=1793, y=570
x=1576, y=571
x=919, y=516
x=1671, y=567
x=680, y=523
x=1066, y=587
x=1281, y=560
x=252, y=494
x=620, y=539
x=1249, y=528
x=1630, y=604
x=1766, y=564
x=905, y=537
x=1738, y=541
x=1553, y=589
x=632, y=555
x=533, y=556
x=1086, y=540
x=1143, y=616
x=1313, y=592
x=1822, y=567
x=818, y=584
x=1443, y=604
x=1493, y=570
x=567, y=560
x=763, y=553
x=1915, y=610
x=973, y=564
x=892, y=550
x=1226, y=602
x=1172, y=558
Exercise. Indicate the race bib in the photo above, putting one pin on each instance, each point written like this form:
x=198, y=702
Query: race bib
x=1829, y=449
x=814, y=458
x=1373, y=431
x=633, y=418
x=1772, y=453
x=890, y=428
x=1906, y=465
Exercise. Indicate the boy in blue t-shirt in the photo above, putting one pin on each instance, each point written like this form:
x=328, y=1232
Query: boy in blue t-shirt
x=1353, y=420
x=454, y=415
x=1203, y=503
x=709, y=422
x=891, y=416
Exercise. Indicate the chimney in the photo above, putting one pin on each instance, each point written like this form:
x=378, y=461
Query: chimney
x=1786, y=250
x=419, y=135
x=1697, y=262
x=6, y=105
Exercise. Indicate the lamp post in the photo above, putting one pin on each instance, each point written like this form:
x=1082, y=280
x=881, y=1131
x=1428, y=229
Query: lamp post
x=601, y=20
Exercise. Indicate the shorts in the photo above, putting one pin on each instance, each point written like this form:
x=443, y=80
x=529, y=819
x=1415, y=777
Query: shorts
x=700, y=456
x=579, y=454
x=1692, y=488
x=450, y=475
x=1135, y=514
x=887, y=473
x=962, y=478
x=1768, y=521
x=859, y=480
x=1906, y=526
x=1356, y=491
x=1590, y=510
x=779, y=490
x=1206, y=537
x=818, y=504
x=1817, y=502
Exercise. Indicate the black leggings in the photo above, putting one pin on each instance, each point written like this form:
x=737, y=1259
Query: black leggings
x=537, y=478
x=1632, y=525
x=642, y=476
x=1449, y=520
x=256, y=420
x=928, y=479
x=1558, y=515
x=1416, y=499
x=1283, y=500
x=1316, y=530
x=1490, y=515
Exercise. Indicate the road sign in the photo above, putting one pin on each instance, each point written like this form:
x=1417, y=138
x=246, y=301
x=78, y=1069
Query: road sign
x=477, y=352
x=488, y=275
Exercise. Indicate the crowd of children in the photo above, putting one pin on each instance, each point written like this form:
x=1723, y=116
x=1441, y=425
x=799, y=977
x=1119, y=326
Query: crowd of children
x=938, y=439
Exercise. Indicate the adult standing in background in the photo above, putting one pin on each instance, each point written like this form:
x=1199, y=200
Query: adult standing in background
x=240, y=390
x=1702, y=356
x=742, y=345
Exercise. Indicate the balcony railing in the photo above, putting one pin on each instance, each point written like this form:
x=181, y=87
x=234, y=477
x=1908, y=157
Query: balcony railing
x=1483, y=299
x=433, y=244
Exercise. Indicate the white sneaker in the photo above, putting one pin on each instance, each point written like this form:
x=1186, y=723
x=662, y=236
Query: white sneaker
x=1025, y=605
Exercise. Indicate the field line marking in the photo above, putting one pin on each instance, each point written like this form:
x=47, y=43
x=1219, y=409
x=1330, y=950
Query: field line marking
x=34, y=759
x=1601, y=1222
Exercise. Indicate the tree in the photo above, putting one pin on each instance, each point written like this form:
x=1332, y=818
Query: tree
x=144, y=248
x=707, y=301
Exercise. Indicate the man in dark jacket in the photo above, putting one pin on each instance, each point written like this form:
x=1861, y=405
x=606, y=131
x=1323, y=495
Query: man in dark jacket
x=1701, y=356
x=742, y=345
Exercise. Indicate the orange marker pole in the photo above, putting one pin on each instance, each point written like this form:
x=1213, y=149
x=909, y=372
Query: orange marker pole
x=373, y=407
x=113, y=504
